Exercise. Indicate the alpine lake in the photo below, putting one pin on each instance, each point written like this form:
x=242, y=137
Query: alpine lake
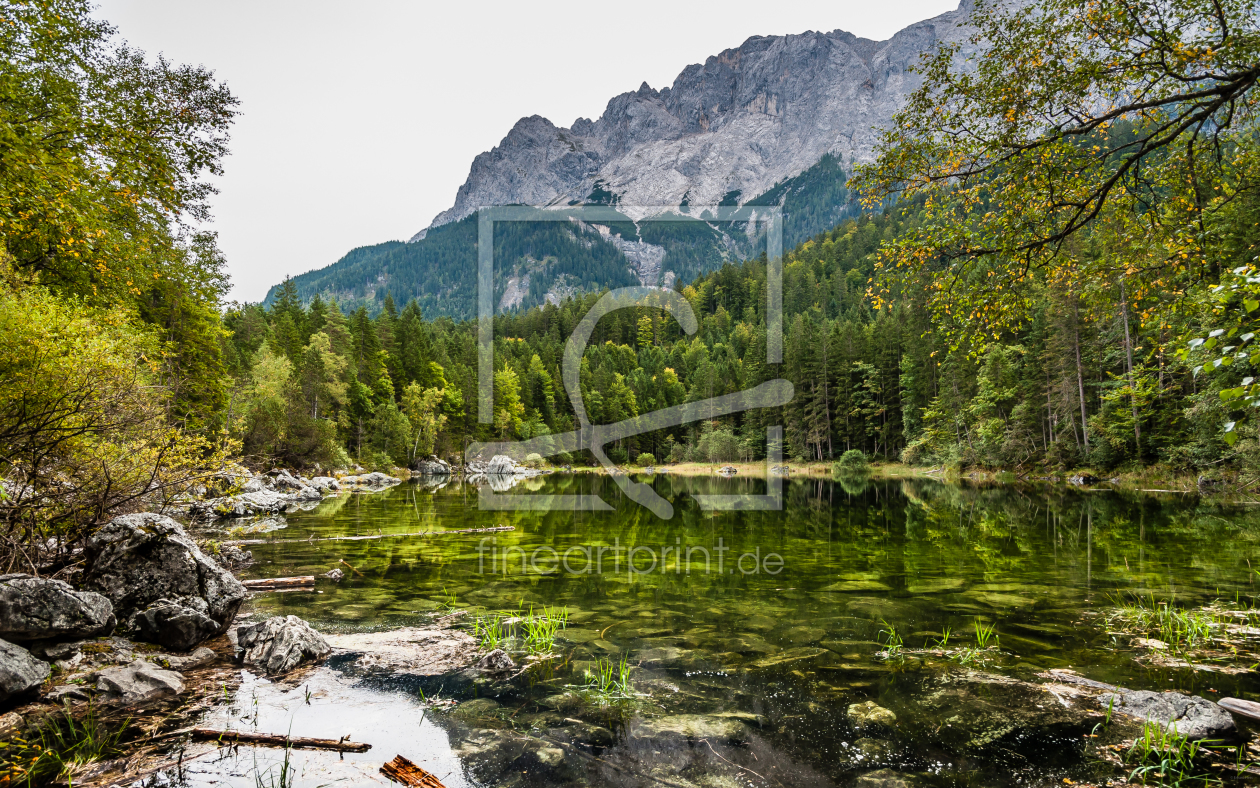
x=746, y=648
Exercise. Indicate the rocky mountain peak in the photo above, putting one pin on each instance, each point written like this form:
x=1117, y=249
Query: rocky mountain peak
x=737, y=124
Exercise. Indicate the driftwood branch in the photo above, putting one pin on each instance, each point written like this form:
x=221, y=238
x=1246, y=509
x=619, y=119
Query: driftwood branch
x=403, y=771
x=373, y=536
x=271, y=583
x=275, y=740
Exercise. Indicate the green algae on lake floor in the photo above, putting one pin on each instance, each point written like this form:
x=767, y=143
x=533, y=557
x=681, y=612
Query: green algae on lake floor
x=776, y=617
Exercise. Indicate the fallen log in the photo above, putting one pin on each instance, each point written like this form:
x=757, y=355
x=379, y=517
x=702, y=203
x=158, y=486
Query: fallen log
x=1243, y=708
x=403, y=771
x=275, y=740
x=271, y=583
x=373, y=536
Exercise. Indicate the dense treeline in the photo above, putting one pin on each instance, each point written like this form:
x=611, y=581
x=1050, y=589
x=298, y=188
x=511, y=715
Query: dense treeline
x=1054, y=392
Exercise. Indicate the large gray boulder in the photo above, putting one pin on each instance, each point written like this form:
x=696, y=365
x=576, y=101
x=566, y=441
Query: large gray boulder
x=147, y=564
x=139, y=683
x=433, y=467
x=1188, y=715
x=173, y=625
x=279, y=644
x=20, y=672
x=33, y=608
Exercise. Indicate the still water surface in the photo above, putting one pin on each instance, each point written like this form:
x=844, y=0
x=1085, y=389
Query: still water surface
x=745, y=672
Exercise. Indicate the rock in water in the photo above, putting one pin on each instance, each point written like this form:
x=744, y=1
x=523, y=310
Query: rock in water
x=433, y=467
x=280, y=644
x=20, y=672
x=173, y=625
x=33, y=608
x=496, y=661
x=869, y=715
x=144, y=561
x=885, y=778
x=370, y=481
x=139, y=683
x=1189, y=715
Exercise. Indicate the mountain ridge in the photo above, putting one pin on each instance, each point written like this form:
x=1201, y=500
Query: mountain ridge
x=742, y=121
x=774, y=122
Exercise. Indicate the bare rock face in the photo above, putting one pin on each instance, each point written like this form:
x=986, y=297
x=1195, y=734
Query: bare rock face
x=160, y=581
x=33, y=608
x=740, y=122
x=20, y=673
x=280, y=644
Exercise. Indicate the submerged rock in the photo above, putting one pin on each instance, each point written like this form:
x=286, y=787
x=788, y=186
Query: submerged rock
x=334, y=575
x=421, y=652
x=885, y=778
x=279, y=644
x=472, y=709
x=869, y=714
x=693, y=727
x=20, y=672
x=139, y=683
x=33, y=608
x=146, y=563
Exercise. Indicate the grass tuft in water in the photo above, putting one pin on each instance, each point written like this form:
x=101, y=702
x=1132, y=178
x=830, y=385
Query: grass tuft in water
x=608, y=682
x=65, y=747
x=893, y=642
x=1180, y=628
x=1166, y=758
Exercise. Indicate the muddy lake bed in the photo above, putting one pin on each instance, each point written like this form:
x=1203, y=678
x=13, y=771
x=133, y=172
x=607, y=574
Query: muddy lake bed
x=871, y=633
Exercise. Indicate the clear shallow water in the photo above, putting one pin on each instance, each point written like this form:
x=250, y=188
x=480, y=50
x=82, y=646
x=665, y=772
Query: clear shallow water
x=783, y=648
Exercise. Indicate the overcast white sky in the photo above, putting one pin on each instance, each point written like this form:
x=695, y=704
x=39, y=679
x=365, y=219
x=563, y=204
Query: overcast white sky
x=359, y=120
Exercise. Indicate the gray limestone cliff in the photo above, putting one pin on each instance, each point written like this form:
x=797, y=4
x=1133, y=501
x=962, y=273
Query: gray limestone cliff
x=726, y=130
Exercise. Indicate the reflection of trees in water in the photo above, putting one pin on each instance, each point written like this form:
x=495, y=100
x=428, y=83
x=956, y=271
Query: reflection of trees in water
x=898, y=531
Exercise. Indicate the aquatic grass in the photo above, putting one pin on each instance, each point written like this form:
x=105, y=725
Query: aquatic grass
x=608, y=682
x=285, y=778
x=943, y=641
x=1164, y=757
x=494, y=631
x=985, y=634
x=66, y=745
x=532, y=632
x=540, y=630
x=893, y=642
x=1180, y=628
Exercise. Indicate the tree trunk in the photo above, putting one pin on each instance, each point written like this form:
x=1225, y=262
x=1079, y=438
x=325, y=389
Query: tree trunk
x=1080, y=374
x=1128, y=350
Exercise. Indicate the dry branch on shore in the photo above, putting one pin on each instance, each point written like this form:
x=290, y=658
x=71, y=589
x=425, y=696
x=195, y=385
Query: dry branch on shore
x=276, y=740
